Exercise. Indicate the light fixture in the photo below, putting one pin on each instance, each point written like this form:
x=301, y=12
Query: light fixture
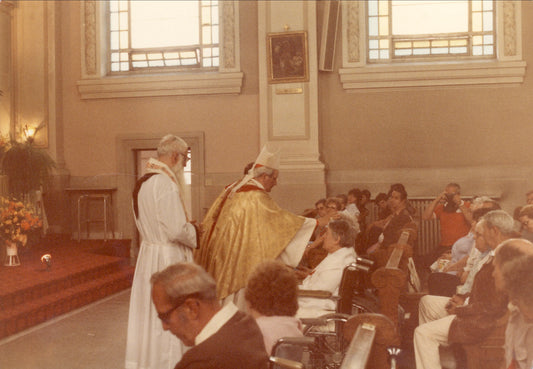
x=29, y=133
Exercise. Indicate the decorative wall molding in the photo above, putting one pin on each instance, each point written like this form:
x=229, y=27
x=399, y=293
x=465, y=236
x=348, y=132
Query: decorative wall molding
x=353, y=33
x=509, y=28
x=230, y=34
x=90, y=36
x=96, y=84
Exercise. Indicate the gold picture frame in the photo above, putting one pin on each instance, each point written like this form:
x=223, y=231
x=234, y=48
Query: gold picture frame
x=287, y=57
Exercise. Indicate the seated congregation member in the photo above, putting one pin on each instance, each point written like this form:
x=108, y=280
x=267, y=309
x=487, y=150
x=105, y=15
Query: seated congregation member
x=443, y=281
x=399, y=218
x=526, y=218
x=375, y=228
x=463, y=321
x=314, y=253
x=339, y=243
x=350, y=210
x=272, y=299
x=363, y=210
x=518, y=282
x=185, y=299
x=454, y=215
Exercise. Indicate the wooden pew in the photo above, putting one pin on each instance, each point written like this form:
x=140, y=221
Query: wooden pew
x=391, y=279
x=370, y=335
x=489, y=353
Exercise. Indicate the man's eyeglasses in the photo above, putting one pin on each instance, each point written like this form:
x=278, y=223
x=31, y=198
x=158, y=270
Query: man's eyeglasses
x=165, y=317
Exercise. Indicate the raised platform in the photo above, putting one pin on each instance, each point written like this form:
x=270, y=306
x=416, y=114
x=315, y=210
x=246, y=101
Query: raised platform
x=81, y=273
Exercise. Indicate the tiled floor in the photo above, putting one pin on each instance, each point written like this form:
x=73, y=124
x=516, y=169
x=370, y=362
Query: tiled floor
x=93, y=337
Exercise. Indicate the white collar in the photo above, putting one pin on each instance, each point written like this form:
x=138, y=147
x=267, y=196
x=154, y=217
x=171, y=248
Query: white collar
x=216, y=322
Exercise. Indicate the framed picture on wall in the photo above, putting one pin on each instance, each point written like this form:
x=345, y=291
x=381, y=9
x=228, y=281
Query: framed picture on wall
x=287, y=57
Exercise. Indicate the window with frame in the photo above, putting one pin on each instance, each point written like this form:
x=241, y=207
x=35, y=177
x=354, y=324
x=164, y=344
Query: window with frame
x=163, y=35
x=208, y=66
x=400, y=30
x=479, y=43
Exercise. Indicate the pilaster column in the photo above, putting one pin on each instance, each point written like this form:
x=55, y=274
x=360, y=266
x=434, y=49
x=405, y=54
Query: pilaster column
x=289, y=110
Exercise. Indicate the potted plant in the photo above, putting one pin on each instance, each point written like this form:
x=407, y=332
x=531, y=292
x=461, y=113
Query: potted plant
x=27, y=167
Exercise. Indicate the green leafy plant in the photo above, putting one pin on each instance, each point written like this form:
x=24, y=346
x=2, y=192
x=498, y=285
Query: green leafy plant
x=27, y=168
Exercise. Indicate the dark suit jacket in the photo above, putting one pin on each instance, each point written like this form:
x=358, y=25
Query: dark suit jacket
x=476, y=320
x=238, y=344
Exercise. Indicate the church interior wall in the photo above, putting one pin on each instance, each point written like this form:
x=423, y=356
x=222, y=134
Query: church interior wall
x=422, y=137
x=426, y=137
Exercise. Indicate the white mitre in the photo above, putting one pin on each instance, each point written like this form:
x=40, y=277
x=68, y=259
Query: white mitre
x=264, y=159
x=267, y=159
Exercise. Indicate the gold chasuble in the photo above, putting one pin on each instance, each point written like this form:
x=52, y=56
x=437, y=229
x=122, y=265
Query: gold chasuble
x=242, y=230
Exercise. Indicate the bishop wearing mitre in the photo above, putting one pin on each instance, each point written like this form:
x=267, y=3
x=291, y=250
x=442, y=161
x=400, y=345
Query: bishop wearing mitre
x=245, y=227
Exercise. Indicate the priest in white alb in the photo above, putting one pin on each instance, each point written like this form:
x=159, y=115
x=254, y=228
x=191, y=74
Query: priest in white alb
x=245, y=227
x=168, y=236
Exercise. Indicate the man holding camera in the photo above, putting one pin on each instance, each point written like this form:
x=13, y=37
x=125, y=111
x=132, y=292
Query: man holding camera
x=454, y=215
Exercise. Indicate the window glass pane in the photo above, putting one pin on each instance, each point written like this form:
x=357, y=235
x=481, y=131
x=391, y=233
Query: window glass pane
x=373, y=26
x=476, y=22
x=383, y=7
x=164, y=23
x=123, y=5
x=384, y=54
x=113, y=21
x=412, y=17
x=124, y=40
x=487, y=21
x=487, y=4
x=477, y=6
x=214, y=15
x=372, y=7
x=123, y=21
x=114, y=41
x=477, y=40
x=383, y=26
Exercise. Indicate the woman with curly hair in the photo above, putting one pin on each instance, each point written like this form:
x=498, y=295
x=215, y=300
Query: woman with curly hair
x=272, y=299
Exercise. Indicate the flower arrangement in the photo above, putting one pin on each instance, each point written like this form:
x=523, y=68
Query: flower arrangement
x=16, y=221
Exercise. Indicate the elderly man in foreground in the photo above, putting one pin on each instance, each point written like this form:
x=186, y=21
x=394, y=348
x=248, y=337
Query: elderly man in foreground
x=185, y=299
x=467, y=320
x=245, y=227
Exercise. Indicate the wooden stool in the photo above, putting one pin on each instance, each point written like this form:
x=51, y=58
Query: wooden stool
x=107, y=213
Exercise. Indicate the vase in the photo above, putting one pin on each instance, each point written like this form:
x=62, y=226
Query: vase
x=12, y=257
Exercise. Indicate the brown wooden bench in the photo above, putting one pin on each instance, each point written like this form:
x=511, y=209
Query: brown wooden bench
x=489, y=353
x=391, y=280
x=370, y=336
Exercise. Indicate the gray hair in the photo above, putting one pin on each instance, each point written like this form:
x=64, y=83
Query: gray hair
x=344, y=230
x=259, y=171
x=184, y=279
x=518, y=279
x=501, y=220
x=170, y=144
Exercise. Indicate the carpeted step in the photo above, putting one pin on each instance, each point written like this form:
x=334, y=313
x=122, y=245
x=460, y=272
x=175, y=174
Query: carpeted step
x=19, y=317
x=59, y=282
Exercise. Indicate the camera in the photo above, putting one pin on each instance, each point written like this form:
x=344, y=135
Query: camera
x=449, y=197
